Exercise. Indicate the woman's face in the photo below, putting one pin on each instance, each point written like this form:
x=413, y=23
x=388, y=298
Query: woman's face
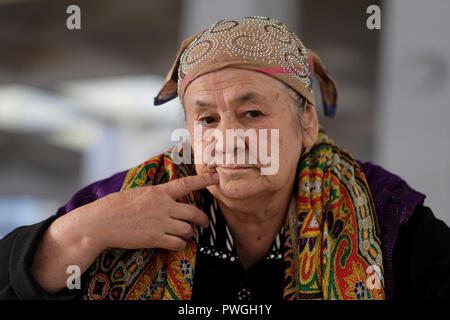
x=241, y=99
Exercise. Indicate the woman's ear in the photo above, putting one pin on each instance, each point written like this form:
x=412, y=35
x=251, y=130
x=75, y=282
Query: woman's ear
x=310, y=126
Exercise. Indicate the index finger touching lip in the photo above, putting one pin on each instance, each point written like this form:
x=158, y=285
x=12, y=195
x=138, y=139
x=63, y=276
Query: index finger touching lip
x=181, y=187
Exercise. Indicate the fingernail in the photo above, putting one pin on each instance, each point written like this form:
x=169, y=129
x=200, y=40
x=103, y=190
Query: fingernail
x=215, y=176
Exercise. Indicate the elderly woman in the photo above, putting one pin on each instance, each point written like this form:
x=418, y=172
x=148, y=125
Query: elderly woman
x=321, y=226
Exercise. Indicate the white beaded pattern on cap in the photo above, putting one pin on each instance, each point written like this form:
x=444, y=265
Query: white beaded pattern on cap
x=250, y=39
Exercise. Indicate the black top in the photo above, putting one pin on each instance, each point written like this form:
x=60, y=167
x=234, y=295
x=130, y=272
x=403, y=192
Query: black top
x=421, y=263
x=217, y=258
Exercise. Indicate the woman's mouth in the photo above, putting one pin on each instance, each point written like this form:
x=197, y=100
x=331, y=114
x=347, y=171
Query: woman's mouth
x=235, y=167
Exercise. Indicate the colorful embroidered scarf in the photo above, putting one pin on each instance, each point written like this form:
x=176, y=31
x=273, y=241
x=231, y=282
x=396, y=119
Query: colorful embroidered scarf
x=332, y=248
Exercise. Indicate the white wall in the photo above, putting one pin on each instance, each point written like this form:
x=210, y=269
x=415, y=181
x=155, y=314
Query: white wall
x=413, y=107
x=197, y=15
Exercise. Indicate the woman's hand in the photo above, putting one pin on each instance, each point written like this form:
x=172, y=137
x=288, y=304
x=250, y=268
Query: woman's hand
x=148, y=217
x=145, y=217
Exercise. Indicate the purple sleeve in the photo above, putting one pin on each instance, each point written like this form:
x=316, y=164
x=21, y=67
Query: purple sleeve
x=93, y=192
x=395, y=202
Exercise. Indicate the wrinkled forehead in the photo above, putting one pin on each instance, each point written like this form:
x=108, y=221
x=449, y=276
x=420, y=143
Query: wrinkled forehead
x=233, y=84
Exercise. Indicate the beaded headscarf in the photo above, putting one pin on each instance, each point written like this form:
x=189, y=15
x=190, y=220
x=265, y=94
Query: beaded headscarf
x=254, y=43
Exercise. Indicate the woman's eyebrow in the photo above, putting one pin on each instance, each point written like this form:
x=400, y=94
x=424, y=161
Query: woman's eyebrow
x=244, y=98
x=203, y=104
x=247, y=96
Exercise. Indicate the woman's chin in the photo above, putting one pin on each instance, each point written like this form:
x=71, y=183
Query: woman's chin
x=234, y=189
x=237, y=184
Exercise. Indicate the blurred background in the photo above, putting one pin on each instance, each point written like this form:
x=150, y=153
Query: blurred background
x=76, y=106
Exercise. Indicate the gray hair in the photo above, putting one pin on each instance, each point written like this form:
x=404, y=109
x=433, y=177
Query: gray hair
x=298, y=103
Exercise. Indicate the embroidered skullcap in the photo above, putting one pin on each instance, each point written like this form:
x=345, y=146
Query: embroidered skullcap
x=254, y=43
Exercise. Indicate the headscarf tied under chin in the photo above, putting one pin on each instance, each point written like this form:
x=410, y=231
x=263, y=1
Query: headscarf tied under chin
x=254, y=43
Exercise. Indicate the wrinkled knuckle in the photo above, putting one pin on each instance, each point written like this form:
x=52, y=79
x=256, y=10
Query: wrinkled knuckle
x=185, y=183
x=154, y=241
x=188, y=231
x=190, y=213
x=154, y=189
x=179, y=244
x=198, y=216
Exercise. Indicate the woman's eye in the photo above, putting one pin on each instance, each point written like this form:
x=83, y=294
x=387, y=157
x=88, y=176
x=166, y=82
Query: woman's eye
x=207, y=120
x=253, y=114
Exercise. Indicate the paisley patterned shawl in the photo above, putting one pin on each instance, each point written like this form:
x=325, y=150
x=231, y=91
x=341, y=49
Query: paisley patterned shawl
x=332, y=248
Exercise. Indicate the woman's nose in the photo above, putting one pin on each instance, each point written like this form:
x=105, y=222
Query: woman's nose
x=229, y=123
x=229, y=120
x=231, y=130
